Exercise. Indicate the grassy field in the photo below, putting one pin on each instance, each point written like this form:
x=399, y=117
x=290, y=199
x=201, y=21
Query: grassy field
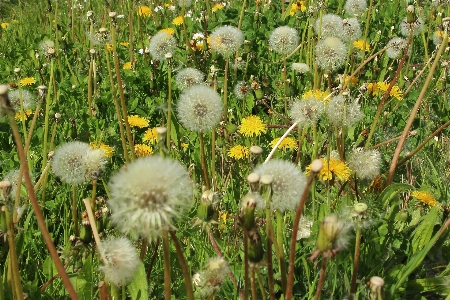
x=224, y=150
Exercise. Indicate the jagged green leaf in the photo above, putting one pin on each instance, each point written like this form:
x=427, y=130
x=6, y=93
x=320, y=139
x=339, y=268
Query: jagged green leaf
x=423, y=232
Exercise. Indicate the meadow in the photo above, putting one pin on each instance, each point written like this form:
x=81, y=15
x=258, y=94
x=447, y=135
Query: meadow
x=267, y=149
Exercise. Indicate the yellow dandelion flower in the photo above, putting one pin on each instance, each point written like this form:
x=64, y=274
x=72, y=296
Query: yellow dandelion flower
x=107, y=149
x=136, y=121
x=127, y=66
x=144, y=11
x=351, y=80
x=109, y=47
x=143, y=150
x=150, y=136
x=217, y=7
x=4, y=25
x=169, y=30
x=333, y=167
x=20, y=116
x=125, y=44
x=377, y=184
x=379, y=88
x=359, y=44
x=184, y=146
x=27, y=81
x=239, y=152
x=396, y=93
x=178, y=21
x=252, y=126
x=425, y=198
x=318, y=94
x=297, y=6
x=286, y=144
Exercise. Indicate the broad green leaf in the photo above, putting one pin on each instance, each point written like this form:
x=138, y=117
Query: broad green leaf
x=423, y=232
x=435, y=284
x=138, y=288
x=391, y=192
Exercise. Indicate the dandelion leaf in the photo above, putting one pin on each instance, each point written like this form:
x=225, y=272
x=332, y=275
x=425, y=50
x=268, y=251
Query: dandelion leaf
x=435, y=284
x=138, y=288
x=424, y=231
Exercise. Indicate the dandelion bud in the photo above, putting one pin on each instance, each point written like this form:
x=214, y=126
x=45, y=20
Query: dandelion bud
x=57, y=116
x=6, y=187
x=248, y=204
x=161, y=132
x=16, y=70
x=376, y=285
x=255, y=248
x=411, y=17
x=247, y=46
x=112, y=14
x=92, y=51
x=331, y=235
x=86, y=232
x=316, y=165
x=253, y=179
x=205, y=210
x=3, y=224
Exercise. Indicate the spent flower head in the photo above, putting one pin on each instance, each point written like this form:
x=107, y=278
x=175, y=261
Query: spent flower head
x=149, y=195
x=416, y=27
x=47, y=48
x=27, y=98
x=161, y=44
x=365, y=163
x=331, y=53
x=241, y=90
x=355, y=7
x=329, y=25
x=306, y=112
x=333, y=236
x=200, y=108
x=188, y=77
x=300, y=68
x=288, y=183
x=352, y=30
x=284, y=40
x=226, y=40
x=208, y=281
x=120, y=260
x=396, y=47
x=342, y=112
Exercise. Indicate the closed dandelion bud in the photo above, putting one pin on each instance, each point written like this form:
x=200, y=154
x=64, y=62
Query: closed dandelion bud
x=253, y=180
x=205, y=210
x=86, y=232
x=6, y=186
x=161, y=132
x=259, y=93
x=231, y=128
x=247, y=216
x=376, y=285
x=255, y=248
x=247, y=46
x=331, y=234
x=255, y=154
x=411, y=16
x=266, y=188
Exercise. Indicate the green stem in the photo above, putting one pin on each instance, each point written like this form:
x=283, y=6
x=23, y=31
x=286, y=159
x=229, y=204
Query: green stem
x=225, y=91
x=166, y=251
x=246, y=266
x=75, y=210
x=169, y=103
x=203, y=162
x=321, y=279
x=13, y=255
x=184, y=266
x=355, y=263
x=281, y=257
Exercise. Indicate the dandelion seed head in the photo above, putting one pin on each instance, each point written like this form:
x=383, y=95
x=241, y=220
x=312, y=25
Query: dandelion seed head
x=184, y=3
x=343, y=113
x=161, y=44
x=121, y=259
x=47, y=48
x=226, y=40
x=396, y=46
x=211, y=278
x=300, y=68
x=416, y=27
x=13, y=178
x=355, y=7
x=200, y=108
x=99, y=37
x=352, y=30
x=306, y=112
x=329, y=26
x=284, y=40
x=331, y=53
x=241, y=90
x=28, y=99
x=149, y=195
x=288, y=183
x=188, y=77
x=365, y=163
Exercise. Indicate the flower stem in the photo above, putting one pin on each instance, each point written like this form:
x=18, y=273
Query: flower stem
x=321, y=279
x=14, y=264
x=246, y=266
x=169, y=103
x=167, y=281
x=203, y=162
x=225, y=91
x=355, y=263
x=184, y=266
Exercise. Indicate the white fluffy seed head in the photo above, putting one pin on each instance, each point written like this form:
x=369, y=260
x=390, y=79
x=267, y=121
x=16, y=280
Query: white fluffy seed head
x=355, y=7
x=352, y=30
x=288, y=183
x=241, y=90
x=149, y=195
x=161, y=44
x=226, y=40
x=46, y=47
x=343, y=113
x=300, y=67
x=120, y=260
x=284, y=40
x=416, y=27
x=395, y=47
x=28, y=99
x=306, y=112
x=366, y=163
x=188, y=77
x=199, y=108
x=329, y=25
x=331, y=53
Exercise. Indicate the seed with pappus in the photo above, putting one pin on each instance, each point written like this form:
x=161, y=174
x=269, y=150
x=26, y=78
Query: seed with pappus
x=343, y=113
x=284, y=40
x=161, y=44
x=120, y=260
x=184, y=3
x=149, y=195
x=200, y=108
x=77, y=162
x=188, y=77
x=331, y=53
x=288, y=183
x=365, y=163
x=306, y=112
x=355, y=7
x=28, y=99
x=226, y=40
x=416, y=27
x=329, y=25
x=208, y=281
x=47, y=48
x=396, y=47
x=352, y=30
x=99, y=37
x=13, y=178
